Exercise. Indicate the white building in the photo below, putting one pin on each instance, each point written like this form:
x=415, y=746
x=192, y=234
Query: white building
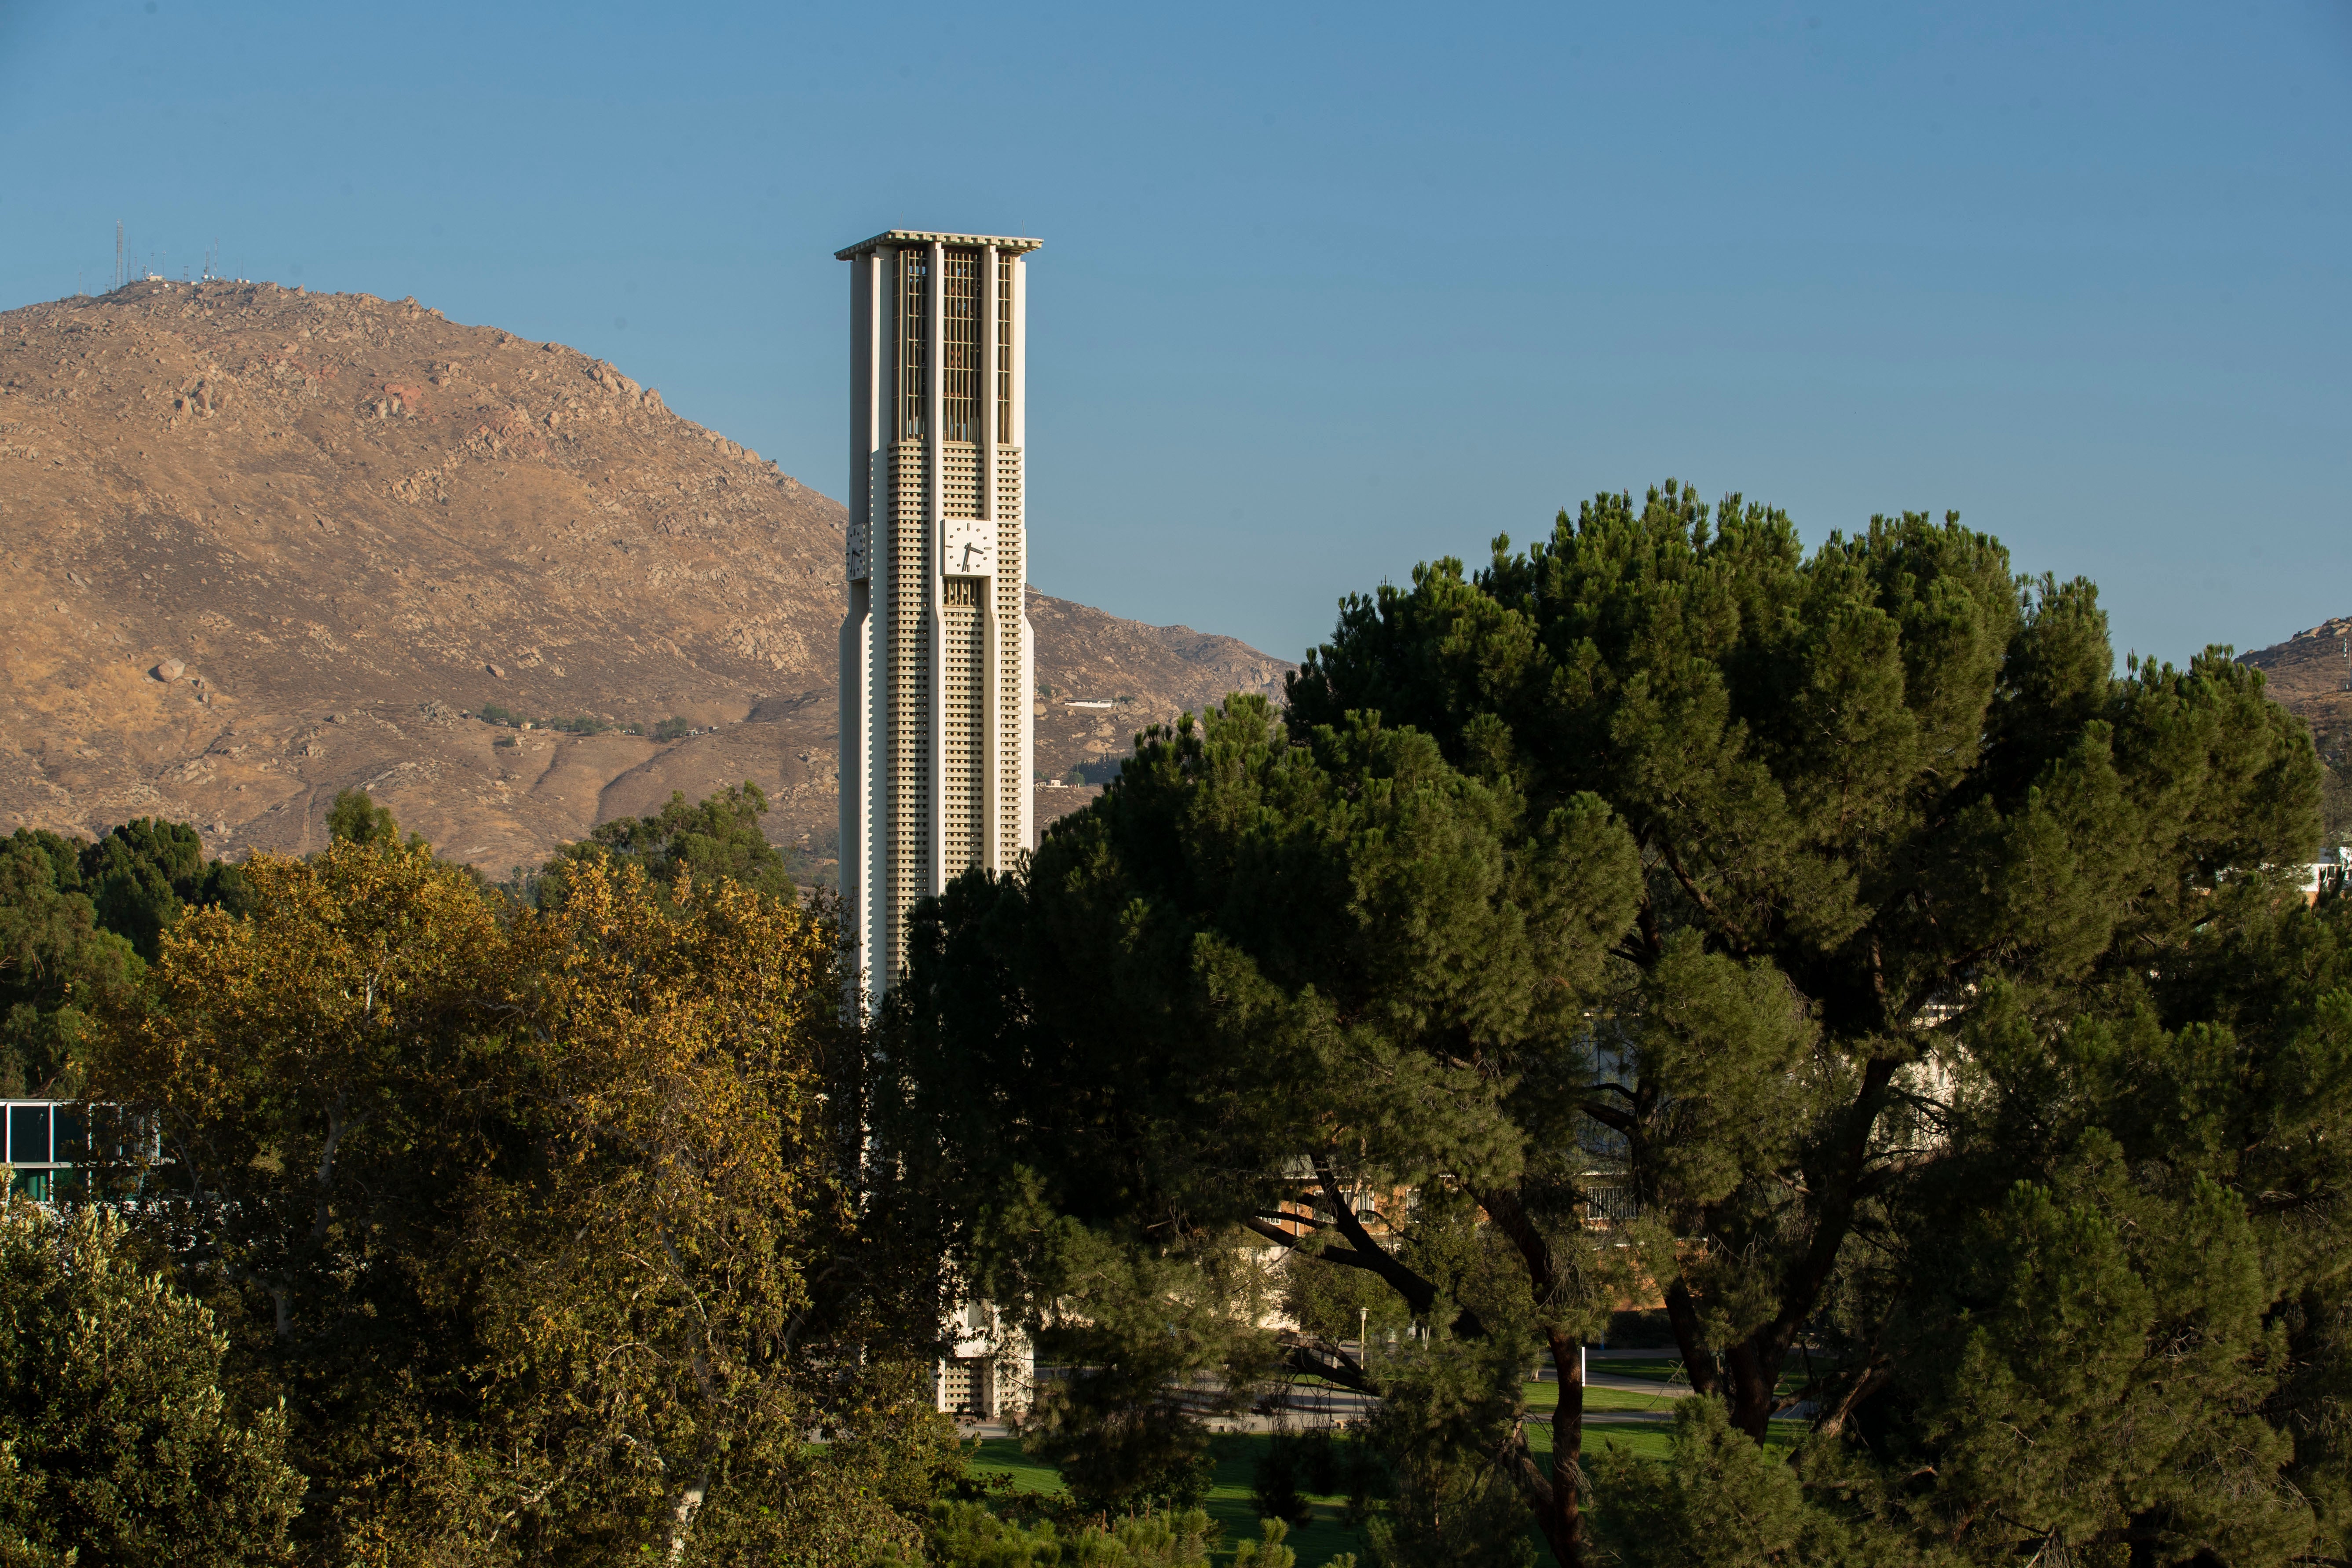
x=936, y=665
x=2335, y=861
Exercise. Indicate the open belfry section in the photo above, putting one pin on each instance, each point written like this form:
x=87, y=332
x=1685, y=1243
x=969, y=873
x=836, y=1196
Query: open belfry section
x=936, y=651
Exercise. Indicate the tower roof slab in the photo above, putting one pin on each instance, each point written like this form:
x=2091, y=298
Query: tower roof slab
x=896, y=237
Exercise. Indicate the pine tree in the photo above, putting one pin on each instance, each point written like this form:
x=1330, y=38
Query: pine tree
x=1766, y=885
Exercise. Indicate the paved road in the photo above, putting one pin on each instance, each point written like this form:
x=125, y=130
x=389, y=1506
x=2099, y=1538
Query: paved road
x=1319, y=1406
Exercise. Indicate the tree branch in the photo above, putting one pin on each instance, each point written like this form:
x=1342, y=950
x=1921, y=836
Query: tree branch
x=1609, y=1115
x=1290, y=1243
x=1314, y=1356
x=1420, y=1294
x=1736, y=937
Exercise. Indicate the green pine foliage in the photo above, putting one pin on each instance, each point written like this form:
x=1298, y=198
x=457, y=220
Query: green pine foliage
x=1724, y=1502
x=1268, y=1551
x=1809, y=909
x=59, y=967
x=139, y=876
x=1155, y=1341
x=1453, y=1491
x=967, y=1535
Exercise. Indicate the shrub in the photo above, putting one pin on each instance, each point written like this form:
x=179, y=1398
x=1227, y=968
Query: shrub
x=116, y=1441
x=1274, y=1478
x=967, y=1535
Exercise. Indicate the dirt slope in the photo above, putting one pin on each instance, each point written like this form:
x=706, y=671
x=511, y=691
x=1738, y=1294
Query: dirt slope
x=2310, y=674
x=260, y=545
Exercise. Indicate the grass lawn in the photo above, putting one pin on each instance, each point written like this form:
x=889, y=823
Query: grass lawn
x=1648, y=1441
x=1326, y=1536
x=1641, y=1442
x=1002, y=1457
x=1666, y=1371
x=1543, y=1399
x=1661, y=1366
x=1321, y=1538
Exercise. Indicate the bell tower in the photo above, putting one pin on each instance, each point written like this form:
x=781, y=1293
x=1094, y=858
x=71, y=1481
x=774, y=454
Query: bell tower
x=936, y=729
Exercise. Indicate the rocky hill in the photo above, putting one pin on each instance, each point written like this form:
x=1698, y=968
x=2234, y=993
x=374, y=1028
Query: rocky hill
x=263, y=545
x=2311, y=675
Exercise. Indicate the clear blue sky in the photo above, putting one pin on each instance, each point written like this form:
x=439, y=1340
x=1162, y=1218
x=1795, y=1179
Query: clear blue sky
x=1330, y=289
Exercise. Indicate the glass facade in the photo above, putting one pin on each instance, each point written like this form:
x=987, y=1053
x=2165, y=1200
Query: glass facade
x=50, y=1145
x=29, y=1127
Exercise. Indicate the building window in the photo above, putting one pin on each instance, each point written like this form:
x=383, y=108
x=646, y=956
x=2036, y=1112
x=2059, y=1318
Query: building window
x=28, y=1134
x=914, y=339
x=1005, y=346
x=959, y=346
x=960, y=1382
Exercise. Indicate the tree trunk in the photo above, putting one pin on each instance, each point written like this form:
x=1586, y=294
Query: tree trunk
x=1751, y=1369
x=682, y=1515
x=1561, y=1514
x=1559, y=1500
x=1697, y=1361
x=1754, y=1364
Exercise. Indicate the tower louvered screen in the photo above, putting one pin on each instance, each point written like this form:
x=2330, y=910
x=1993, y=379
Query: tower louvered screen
x=914, y=339
x=959, y=346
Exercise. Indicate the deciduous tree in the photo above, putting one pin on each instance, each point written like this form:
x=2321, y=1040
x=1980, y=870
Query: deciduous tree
x=541, y=1217
x=120, y=1445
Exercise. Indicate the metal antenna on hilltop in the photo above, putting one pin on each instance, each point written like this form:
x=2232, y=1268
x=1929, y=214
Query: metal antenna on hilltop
x=118, y=253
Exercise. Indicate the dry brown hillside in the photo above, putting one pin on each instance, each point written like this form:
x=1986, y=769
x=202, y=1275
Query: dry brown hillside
x=2310, y=675
x=263, y=545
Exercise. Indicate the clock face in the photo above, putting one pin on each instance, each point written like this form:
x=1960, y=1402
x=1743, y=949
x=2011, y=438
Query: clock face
x=967, y=547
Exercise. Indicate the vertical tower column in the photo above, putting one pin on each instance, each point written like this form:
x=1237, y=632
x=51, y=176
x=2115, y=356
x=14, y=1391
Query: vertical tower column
x=854, y=731
x=1017, y=437
x=992, y=837
x=935, y=563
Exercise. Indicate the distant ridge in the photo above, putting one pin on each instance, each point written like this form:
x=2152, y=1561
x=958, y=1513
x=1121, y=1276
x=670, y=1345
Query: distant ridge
x=264, y=545
x=2309, y=676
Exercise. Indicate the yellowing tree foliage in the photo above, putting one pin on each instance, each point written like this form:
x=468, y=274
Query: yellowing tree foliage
x=536, y=1215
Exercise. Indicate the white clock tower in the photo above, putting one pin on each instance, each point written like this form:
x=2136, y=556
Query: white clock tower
x=936, y=731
